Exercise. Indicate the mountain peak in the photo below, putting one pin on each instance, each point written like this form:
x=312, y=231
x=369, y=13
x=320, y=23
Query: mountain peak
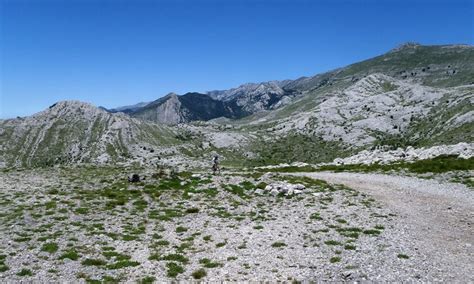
x=71, y=107
x=71, y=103
x=406, y=45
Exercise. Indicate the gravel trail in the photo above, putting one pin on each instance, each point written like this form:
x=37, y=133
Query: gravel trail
x=435, y=218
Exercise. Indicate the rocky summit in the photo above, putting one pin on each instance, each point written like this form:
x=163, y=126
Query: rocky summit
x=360, y=174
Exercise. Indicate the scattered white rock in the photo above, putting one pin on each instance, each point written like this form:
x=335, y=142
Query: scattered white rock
x=285, y=188
x=410, y=154
x=284, y=165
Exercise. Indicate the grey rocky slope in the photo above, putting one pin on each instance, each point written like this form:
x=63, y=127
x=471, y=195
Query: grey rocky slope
x=174, y=109
x=72, y=132
x=234, y=103
x=410, y=154
x=436, y=66
x=75, y=132
x=379, y=106
x=376, y=110
x=256, y=97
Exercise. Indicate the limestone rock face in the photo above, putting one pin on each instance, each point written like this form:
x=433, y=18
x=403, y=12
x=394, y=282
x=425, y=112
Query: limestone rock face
x=256, y=97
x=166, y=110
x=174, y=109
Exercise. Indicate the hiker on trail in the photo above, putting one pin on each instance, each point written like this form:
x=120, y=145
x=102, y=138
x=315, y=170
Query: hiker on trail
x=215, y=165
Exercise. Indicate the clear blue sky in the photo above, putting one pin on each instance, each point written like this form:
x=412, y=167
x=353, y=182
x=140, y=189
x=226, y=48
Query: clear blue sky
x=113, y=53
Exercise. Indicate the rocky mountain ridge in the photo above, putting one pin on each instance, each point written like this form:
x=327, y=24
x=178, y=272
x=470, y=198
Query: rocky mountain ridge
x=434, y=66
x=379, y=104
x=71, y=132
x=127, y=109
x=312, y=119
x=234, y=103
x=256, y=97
x=174, y=109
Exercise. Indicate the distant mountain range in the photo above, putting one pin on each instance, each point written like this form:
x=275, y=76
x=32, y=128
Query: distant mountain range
x=234, y=103
x=413, y=95
x=410, y=61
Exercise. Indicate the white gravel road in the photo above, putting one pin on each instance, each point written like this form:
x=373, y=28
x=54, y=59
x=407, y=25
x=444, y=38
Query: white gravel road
x=434, y=218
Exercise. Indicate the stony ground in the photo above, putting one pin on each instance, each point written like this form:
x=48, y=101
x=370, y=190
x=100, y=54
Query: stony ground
x=89, y=224
x=435, y=219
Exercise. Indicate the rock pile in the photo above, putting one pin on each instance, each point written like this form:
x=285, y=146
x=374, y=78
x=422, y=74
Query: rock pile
x=285, y=188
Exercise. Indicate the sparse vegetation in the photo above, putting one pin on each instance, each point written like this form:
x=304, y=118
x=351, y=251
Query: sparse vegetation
x=315, y=216
x=192, y=210
x=349, y=247
x=175, y=257
x=278, y=244
x=25, y=272
x=173, y=269
x=154, y=215
x=181, y=229
x=332, y=243
x=50, y=247
x=371, y=232
x=147, y=280
x=199, y=273
x=93, y=262
x=122, y=264
x=403, y=256
x=207, y=263
x=70, y=254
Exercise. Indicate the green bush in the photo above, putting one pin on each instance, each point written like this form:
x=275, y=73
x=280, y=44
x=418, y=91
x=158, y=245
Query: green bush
x=25, y=272
x=50, y=247
x=70, y=254
x=93, y=262
x=173, y=269
x=175, y=257
x=200, y=273
x=278, y=244
x=192, y=210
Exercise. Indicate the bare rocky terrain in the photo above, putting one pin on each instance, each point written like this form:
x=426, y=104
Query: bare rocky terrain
x=437, y=218
x=88, y=224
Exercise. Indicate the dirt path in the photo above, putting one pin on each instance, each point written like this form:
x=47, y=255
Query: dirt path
x=436, y=218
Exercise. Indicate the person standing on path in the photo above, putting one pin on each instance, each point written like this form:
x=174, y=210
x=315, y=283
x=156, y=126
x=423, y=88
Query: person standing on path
x=215, y=165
